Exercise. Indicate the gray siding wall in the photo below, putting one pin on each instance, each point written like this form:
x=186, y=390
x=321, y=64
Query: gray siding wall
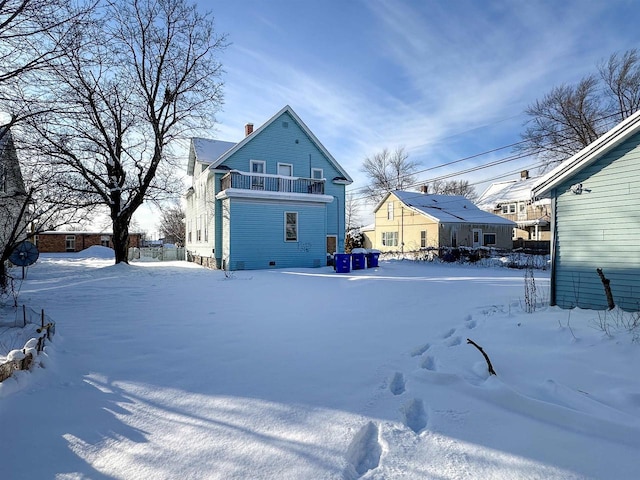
x=600, y=228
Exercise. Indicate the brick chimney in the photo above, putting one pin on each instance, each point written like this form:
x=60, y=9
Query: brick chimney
x=424, y=188
x=524, y=175
x=248, y=129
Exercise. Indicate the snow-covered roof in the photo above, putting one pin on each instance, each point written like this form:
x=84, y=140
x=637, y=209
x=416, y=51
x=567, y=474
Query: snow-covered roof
x=506, y=192
x=588, y=155
x=447, y=208
x=205, y=150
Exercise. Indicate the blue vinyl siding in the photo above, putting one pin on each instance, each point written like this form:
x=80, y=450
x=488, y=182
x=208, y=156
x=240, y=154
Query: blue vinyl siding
x=600, y=228
x=252, y=247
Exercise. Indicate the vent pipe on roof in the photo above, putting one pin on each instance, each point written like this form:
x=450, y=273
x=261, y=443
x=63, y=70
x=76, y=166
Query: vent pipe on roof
x=424, y=189
x=524, y=175
x=248, y=129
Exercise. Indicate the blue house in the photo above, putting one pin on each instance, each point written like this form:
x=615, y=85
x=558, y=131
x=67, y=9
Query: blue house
x=275, y=199
x=595, y=221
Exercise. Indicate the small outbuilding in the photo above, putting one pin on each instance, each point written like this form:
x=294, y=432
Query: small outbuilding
x=595, y=222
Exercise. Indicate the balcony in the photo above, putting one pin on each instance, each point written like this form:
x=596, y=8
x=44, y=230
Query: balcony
x=271, y=183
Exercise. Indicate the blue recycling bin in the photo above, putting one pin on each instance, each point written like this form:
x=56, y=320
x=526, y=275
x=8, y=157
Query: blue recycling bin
x=342, y=262
x=372, y=259
x=357, y=261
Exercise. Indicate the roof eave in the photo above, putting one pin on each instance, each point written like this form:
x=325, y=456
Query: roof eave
x=587, y=156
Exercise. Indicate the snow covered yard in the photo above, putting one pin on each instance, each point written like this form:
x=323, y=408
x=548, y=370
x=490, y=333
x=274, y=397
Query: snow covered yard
x=169, y=370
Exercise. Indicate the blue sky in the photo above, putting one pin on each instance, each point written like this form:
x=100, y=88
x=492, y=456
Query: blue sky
x=445, y=79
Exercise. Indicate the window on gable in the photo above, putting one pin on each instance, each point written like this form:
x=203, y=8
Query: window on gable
x=291, y=226
x=390, y=211
x=258, y=167
x=316, y=174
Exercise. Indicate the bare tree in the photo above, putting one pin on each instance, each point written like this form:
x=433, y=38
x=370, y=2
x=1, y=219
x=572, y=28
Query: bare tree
x=388, y=171
x=172, y=223
x=453, y=187
x=621, y=75
x=28, y=205
x=33, y=33
x=570, y=117
x=351, y=212
x=566, y=120
x=140, y=75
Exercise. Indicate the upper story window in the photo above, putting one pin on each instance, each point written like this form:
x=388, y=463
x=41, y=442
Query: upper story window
x=259, y=167
x=317, y=174
x=390, y=211
x=509, y=208
x=285, y=169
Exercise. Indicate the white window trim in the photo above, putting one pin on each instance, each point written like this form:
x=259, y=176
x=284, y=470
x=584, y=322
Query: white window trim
x=423, y=238
x=495, y=236
x=389, y=242
x=390, y=211
x=288, y=240
x=290, y=165
x=313, y=170
x=257, y=162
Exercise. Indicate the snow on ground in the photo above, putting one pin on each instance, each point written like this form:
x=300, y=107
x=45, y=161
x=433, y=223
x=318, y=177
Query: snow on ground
x=169, y=370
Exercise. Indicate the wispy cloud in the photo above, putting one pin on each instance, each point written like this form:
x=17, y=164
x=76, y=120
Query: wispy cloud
x=444, y=79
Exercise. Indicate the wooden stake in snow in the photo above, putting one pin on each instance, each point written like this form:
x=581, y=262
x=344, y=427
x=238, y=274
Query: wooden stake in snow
x=486, y=357
x=606, y=283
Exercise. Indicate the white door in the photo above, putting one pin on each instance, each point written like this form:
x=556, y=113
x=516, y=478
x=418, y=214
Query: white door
x=477, y=238
x=285, y=170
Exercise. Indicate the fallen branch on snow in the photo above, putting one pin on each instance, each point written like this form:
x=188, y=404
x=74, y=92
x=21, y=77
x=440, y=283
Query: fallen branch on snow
x=486, y=357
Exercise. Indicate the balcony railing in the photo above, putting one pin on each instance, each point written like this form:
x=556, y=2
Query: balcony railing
x=271, y=183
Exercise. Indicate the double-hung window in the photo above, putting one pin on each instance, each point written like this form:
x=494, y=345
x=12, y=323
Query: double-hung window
x=291, y=226
x=390, y=239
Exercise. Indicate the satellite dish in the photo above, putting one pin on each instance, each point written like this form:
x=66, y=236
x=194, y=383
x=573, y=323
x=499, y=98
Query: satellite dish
x=25, y=254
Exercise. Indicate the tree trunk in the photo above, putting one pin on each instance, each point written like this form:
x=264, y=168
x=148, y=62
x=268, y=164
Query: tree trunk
x=121, y=239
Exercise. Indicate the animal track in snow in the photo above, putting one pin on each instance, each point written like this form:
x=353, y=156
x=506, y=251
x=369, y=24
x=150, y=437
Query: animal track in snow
x=471, y=324
x=364, y=452
x=449, y=333
x=397, y=384
x=416, y=352
x=428, y=363
x=415, y=416
x=454, y=342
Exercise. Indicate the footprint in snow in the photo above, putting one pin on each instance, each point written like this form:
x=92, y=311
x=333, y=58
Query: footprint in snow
x=397, y=384
x=415, y=415
x=449, y=333
x=416, y=352
x=471, y=324
x=428, y=363
x=455, y=341
x=364, y=452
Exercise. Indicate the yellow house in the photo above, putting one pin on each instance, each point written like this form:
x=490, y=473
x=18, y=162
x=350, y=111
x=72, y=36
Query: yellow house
x=410, y=221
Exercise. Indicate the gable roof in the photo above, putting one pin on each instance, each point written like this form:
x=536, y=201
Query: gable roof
x=588, y=155
x=208, y=149
x=9, y=161
x=446, y=208
x=506, y=192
